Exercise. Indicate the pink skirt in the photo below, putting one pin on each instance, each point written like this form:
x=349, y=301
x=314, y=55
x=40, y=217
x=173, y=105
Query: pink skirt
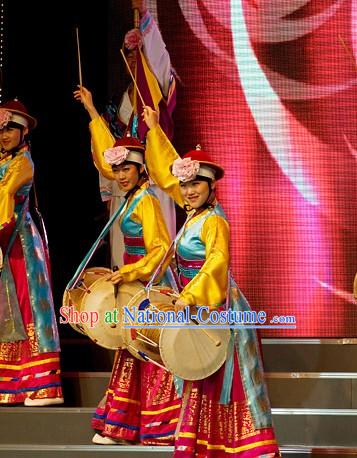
x=141, y=403
x=209, y=429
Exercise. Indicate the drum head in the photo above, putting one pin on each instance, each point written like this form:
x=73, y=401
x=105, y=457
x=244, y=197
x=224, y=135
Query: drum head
x=71, y=299
x=75, y=297
x=162, y=298
x=127, y=291
x=193, y=353
x=106, y=332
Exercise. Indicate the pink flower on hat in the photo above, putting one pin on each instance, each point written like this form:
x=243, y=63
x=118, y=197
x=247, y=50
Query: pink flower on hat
x=116, y=155
x=5, y=117
x=185, y=169
x=133, y=40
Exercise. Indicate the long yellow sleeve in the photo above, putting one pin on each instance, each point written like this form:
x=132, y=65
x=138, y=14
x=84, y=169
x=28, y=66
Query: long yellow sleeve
x=156, y=238
x=102, y=139
x=19, y=173
x=159, y=156
x=209, y=286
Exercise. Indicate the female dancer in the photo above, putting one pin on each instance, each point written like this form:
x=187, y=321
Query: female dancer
x=227, y=414
x=29, y=345
x=141, y=402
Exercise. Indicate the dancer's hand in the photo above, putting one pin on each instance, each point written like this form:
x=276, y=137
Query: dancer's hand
x=116, y=278
x=84, y=96
x=150, y=116
x=180, y=305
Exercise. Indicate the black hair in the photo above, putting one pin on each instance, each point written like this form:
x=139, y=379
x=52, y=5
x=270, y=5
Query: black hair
x=14, y=125
x=201, y=178
x=128, y=51
x=137, y=165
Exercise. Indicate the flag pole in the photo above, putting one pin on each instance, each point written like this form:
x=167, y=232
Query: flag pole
x=133, y=78
x=79, y=59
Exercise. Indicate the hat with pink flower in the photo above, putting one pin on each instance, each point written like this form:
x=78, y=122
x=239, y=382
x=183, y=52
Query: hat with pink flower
x=15, y=111
x=125, y=149
x=195, y=164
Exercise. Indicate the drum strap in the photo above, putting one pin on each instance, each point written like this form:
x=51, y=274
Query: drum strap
x=73, y=282
x=225, y=397
x=12, y=328
x=185, y=399
x=169, y=252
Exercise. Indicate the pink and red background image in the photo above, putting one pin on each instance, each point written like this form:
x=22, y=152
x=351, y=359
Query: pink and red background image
x=268, y=88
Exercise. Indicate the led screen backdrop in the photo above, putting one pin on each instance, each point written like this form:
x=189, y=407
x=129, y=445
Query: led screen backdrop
x=268, y=87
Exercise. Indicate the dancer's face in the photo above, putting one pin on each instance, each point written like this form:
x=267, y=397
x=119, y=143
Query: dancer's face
x=195, y=192
x=131, y=59
x=11, y=137
x=126, y=175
